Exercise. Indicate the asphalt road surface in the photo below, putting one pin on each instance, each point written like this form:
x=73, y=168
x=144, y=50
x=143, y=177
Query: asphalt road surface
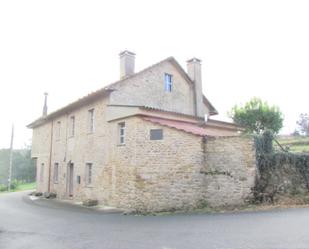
x=45, y=224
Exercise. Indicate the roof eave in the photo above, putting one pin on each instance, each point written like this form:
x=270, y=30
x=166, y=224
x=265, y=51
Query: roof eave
x=70, y=107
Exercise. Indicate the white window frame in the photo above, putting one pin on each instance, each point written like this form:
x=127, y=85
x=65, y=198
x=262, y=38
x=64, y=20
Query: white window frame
x=122, y=133
x=91, y=120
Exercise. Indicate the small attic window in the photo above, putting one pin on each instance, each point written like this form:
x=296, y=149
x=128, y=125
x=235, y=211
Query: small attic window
x=168, y=82
x=156, y=134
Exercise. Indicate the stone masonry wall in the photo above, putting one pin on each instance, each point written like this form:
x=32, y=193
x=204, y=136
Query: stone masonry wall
x=229, y=170
x=179, y=172
x=84, y=147
x=147, y=89
x=40, y=151
x=167, y=171
x=182, y=171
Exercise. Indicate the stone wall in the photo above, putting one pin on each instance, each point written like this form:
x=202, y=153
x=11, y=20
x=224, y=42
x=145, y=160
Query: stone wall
x=229, y=170
x=41, y=140
x=182, y=171
x=168, y=171
x=147, y=89
x=84, y=147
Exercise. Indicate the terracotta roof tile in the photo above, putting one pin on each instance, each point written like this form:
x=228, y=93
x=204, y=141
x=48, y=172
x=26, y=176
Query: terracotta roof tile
x=188, y=127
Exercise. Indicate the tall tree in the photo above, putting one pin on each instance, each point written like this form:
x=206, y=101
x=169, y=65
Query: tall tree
x=23, y=166
x=4, y=165
x=303, y=123
x=256, y=116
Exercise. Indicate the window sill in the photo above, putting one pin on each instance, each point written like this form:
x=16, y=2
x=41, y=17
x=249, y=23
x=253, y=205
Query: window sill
x=120, y=145
x=89, y=186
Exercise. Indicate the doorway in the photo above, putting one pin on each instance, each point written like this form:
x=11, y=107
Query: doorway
x=70, y=179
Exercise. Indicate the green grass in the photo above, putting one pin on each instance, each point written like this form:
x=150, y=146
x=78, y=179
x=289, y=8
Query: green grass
x=23, y=187
x=298, y=144
x=26, y=186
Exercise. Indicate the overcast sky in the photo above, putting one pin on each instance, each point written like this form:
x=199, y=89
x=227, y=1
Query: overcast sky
x=70, y=48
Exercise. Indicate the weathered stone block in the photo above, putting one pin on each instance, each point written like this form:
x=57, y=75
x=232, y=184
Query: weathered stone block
x=90, y=203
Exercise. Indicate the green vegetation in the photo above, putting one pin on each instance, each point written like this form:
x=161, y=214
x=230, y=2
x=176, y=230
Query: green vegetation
x=26, y=186
x=297, y=144
x=257, y=116
x=18, y=186
x=23, y=168
x=281, y=172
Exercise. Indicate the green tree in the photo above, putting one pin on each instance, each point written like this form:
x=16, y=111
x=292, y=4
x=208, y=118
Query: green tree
x=256, y=116
x=4, y=165
x=303, y=123
x=23, y=166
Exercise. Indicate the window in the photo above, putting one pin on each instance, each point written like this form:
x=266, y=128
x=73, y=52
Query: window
x=156, y=134
x=58, y=130
x=91, y=121
x=72, y=126
x=121, y=127
x=78, y=179
x=88, y=173
x=56, y=170
x=42, y=172
x=168, y=82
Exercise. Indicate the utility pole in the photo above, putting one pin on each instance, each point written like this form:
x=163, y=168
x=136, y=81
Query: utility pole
x=11, y=159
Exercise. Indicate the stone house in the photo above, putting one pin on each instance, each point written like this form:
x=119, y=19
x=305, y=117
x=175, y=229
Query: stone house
x=142, y=143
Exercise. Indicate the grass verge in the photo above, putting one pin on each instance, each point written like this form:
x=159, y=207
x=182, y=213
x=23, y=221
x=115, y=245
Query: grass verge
x=23, y=187
x=297, y=144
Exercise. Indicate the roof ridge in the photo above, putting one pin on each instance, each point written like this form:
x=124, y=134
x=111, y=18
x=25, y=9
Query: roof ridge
x=98, y=92
x=139, y=72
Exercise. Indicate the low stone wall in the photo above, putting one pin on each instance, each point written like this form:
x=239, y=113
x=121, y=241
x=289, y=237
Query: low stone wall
x=185, y=171
x=167, y=171
x=229, y=170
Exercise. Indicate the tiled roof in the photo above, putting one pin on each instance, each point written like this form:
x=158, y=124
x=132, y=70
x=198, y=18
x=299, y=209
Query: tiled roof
x=150, y=108
x=188, y=127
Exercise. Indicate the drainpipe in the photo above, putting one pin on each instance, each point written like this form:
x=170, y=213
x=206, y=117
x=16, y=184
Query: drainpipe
x=50, y=155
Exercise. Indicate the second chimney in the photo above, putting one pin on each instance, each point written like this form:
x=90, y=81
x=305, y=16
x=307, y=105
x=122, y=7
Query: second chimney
x=127, y=64
x=45, y=104
x=195, y=73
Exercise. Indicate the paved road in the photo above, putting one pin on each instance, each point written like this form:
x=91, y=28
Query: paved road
x=43, y=224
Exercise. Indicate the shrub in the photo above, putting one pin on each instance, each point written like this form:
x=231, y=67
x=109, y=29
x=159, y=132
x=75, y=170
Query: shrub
x=3, y=188
x=271, y=165
x=14, y=184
